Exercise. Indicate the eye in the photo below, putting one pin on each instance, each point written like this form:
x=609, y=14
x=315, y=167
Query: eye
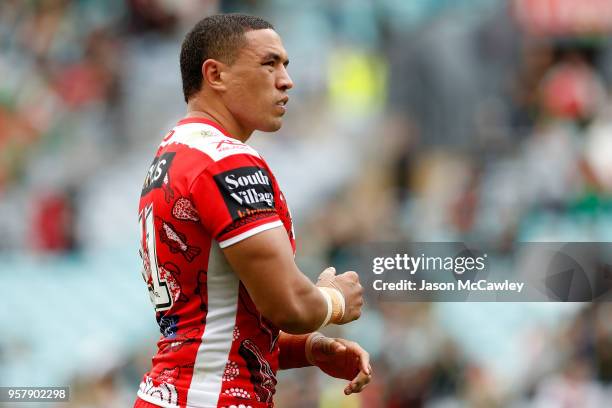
x=269, y=63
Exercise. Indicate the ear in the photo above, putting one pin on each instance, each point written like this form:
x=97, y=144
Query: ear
x=212, y=74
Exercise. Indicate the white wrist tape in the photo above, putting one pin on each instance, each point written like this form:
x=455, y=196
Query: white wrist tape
x=330, y=307
x=342, y=303
x=335, y=305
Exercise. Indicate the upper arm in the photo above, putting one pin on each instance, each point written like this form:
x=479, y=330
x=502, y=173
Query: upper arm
x=265, y=265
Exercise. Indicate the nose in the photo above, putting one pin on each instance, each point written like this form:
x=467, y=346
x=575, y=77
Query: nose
x=284, y=81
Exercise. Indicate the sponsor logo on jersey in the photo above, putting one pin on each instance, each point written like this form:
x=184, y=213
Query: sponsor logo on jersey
x=158, y=172
x=245, y=190
x=229, y=144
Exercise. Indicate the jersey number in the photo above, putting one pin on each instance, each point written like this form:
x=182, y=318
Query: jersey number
x=158, y=289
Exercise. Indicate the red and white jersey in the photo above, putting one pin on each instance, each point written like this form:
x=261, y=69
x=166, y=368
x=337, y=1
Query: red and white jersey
x=205, y=191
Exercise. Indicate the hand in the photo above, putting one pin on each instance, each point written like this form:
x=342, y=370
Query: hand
x=340, y=358
x=348, y=284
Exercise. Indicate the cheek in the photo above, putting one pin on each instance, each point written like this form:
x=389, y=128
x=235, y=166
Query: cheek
x=257, y=97
x=247, y=92
x=251, y=98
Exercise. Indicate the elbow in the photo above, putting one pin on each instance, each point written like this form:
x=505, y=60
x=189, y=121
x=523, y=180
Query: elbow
x=292, y=319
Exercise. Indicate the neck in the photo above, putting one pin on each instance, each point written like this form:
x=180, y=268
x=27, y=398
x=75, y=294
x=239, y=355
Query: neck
x=198, y=107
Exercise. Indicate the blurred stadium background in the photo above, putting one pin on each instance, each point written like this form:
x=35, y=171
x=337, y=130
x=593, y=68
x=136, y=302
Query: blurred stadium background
x=428, y=120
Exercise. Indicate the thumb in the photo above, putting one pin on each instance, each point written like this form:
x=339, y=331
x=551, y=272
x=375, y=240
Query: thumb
x=328, y=274
x=336, y=347
x=330, y=346
x=324, y=347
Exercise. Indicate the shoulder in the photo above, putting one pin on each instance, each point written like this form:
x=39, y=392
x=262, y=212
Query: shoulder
x=209, y=140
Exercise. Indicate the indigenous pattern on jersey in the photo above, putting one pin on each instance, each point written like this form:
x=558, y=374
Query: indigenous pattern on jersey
x=205, y=191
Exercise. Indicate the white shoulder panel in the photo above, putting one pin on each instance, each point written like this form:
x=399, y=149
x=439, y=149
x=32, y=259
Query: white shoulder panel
x=209, y=140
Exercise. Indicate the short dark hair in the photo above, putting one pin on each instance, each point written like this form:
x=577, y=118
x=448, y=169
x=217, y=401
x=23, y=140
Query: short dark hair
x=219, y=37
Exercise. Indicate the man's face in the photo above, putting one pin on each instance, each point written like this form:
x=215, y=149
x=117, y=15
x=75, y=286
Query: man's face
x=257, y=82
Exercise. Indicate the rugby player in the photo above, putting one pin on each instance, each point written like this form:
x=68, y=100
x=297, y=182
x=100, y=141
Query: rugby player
x=218, y=243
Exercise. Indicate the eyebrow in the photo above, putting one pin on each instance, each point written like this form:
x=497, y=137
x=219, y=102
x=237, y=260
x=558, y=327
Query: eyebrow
x=276, y=57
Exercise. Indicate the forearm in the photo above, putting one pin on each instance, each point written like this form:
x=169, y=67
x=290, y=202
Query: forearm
x=315, y=307
x=306, y=309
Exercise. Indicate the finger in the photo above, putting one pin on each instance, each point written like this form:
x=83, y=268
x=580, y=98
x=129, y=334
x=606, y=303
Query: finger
x=352, y=275
x=364, y=358
x=361, y=354
x=328, y=273
x=358, y=383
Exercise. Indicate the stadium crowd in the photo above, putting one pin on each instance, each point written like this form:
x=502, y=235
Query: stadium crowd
x=421, y=121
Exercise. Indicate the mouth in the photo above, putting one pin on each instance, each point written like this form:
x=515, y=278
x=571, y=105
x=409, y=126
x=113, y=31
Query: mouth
x=283, y=102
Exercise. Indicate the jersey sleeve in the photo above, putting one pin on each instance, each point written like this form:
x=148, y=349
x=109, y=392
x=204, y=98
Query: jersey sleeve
x=235, y=198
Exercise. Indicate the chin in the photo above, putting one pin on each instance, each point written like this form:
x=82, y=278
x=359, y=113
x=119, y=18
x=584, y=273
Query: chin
x=272, y=126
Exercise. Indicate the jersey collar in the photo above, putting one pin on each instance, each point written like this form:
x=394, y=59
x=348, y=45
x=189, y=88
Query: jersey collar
x=205, y=122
